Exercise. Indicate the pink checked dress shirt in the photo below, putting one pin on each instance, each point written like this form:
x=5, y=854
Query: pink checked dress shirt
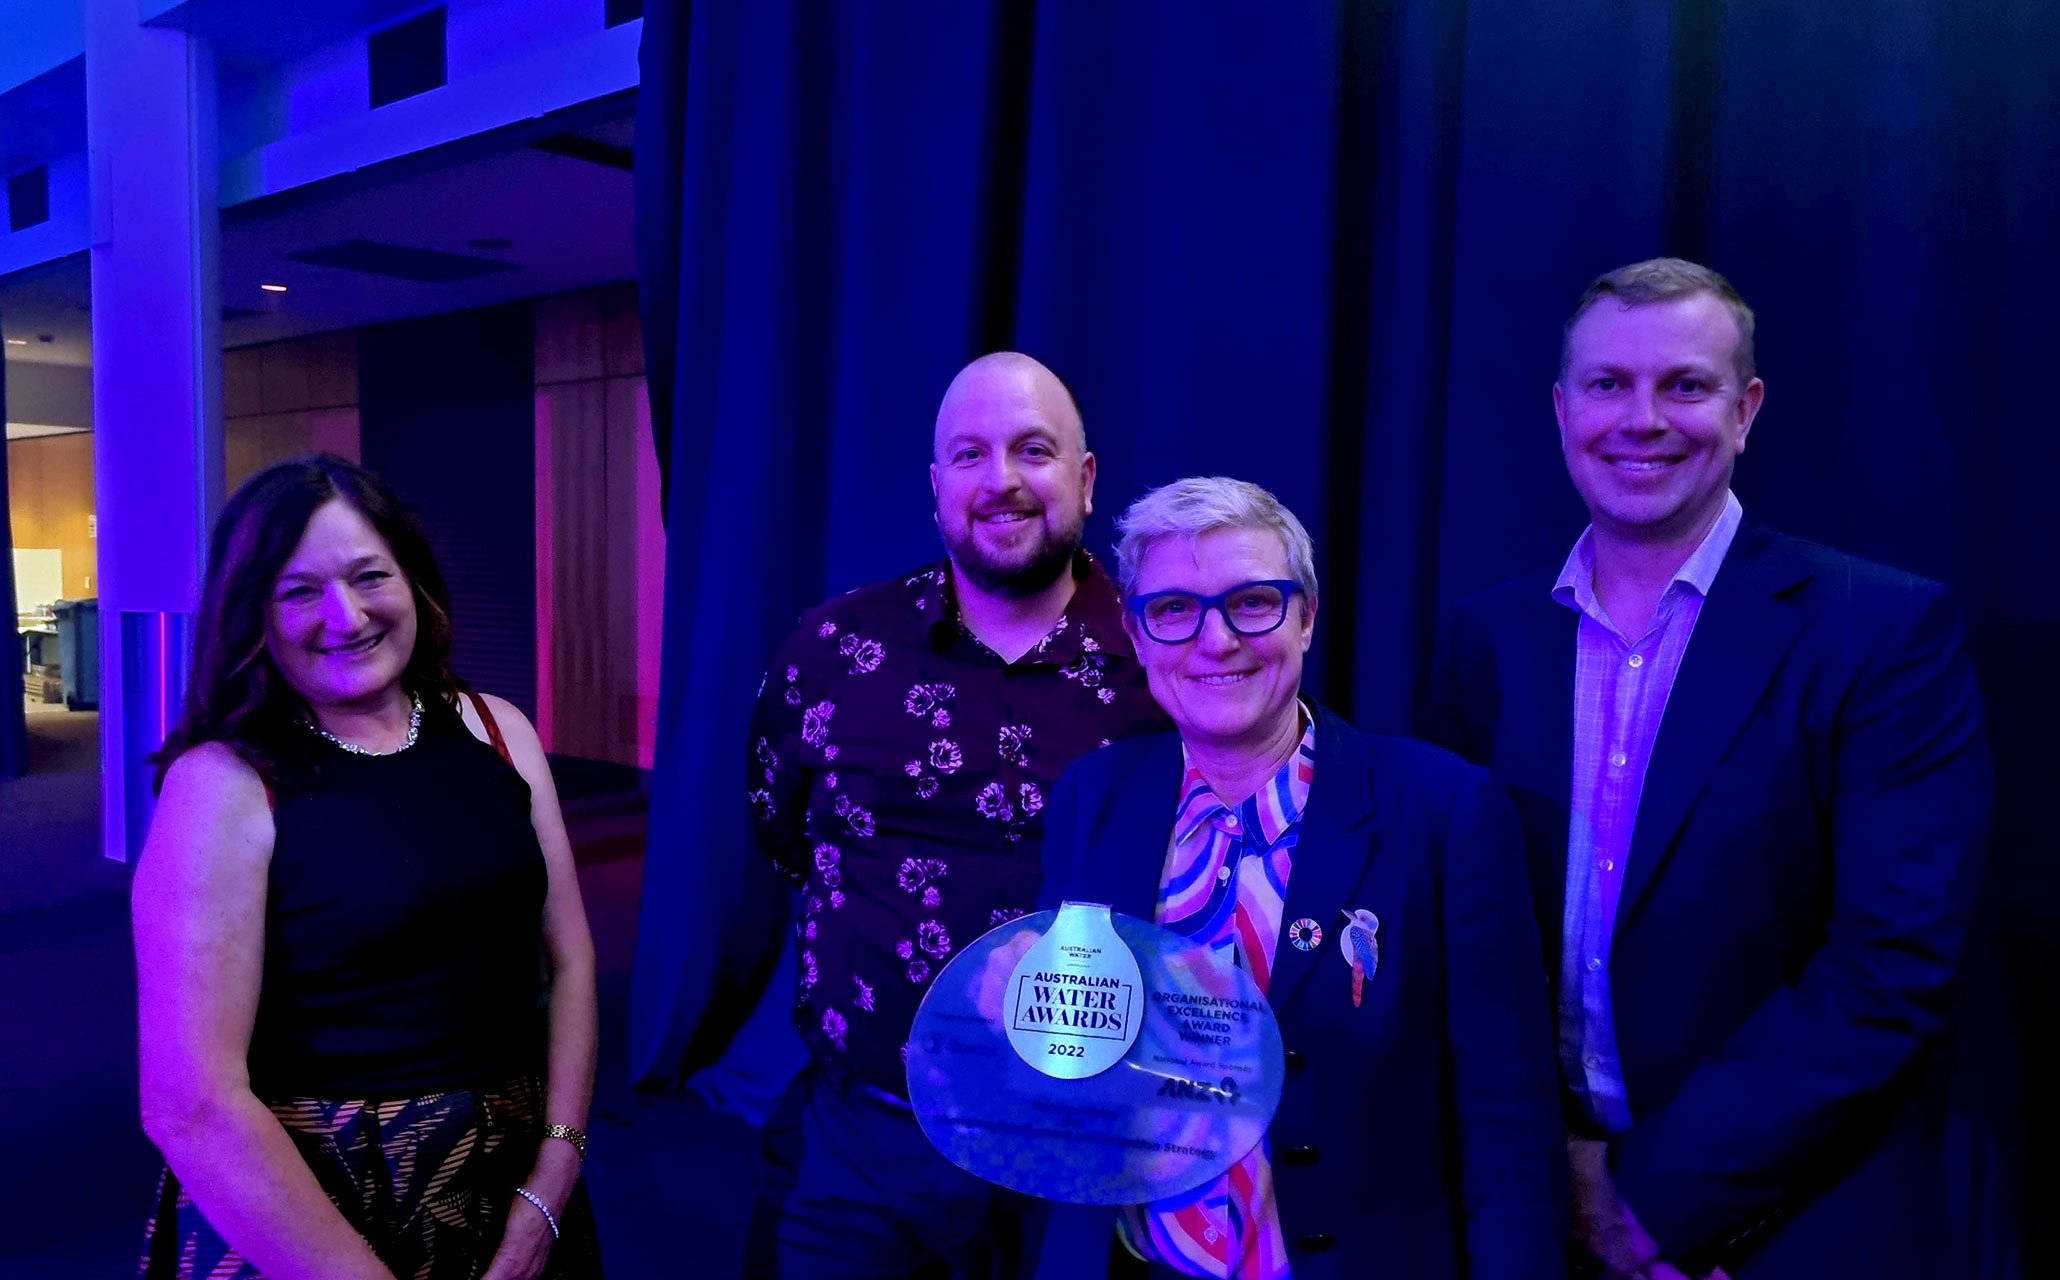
x=1621, y=686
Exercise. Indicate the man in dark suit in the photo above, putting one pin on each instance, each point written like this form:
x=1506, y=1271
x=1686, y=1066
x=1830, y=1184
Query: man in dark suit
x=1755, y=790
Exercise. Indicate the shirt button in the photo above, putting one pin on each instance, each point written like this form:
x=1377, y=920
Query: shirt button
x=1618, y=759
x=1607, y=864
x=1637, y=660
x=1593, y=1062
x=1210, y=1234
x=1229, y=819
x=1593, y=964
x=1223, y=872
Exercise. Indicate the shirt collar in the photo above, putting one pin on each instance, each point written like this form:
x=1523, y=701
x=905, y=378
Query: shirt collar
x=1092, y=622
x=1277, y=806
x=1575, y=587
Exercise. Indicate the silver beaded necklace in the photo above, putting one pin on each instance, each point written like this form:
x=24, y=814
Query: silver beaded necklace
x=414, y=731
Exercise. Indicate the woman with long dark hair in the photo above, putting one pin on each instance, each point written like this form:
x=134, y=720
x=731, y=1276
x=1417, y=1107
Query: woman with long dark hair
x=351, y=1057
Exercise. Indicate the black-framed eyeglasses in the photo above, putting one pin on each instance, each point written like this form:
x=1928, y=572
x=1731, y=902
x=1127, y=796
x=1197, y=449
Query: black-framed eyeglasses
x=1250, y=608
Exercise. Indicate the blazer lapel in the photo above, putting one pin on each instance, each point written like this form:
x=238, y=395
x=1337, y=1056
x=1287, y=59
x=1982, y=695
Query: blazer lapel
x=1744, y=632
x=1142, y=824
x=1534, y=760
x=1337, y=841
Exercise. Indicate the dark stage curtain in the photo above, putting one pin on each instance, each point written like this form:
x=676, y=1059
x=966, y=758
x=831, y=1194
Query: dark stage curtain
x=14, y=747
x=1325, y=246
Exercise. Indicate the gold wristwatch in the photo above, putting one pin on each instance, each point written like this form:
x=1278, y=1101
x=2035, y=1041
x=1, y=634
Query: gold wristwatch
x=577, y=1137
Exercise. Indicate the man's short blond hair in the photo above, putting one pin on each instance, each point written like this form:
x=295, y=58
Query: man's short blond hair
x=1663, y=280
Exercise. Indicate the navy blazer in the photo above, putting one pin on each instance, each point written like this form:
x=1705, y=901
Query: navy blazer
x=1418, y=1135
x=1795, y=901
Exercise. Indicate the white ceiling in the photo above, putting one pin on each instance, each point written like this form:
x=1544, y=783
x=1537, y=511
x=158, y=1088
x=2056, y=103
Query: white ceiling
x=569, y=221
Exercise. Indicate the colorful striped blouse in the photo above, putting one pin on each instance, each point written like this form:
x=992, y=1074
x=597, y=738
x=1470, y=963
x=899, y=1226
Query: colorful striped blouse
x=1224, y=883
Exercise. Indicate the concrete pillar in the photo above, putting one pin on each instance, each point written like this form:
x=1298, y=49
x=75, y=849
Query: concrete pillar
x=157, y=380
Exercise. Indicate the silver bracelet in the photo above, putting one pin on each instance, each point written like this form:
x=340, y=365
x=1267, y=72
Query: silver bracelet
x=550, y=1219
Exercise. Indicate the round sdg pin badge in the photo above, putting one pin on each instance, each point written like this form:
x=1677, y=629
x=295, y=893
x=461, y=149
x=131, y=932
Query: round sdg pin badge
x=1305, y=934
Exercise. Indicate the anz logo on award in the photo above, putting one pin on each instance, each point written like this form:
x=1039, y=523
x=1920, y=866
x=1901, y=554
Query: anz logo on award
x=1198, y=1091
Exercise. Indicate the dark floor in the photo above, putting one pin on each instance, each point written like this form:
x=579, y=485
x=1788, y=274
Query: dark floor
x=667, y=1173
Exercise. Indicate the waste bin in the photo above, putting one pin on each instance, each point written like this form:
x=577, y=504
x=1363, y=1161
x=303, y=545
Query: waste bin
x=78, y=644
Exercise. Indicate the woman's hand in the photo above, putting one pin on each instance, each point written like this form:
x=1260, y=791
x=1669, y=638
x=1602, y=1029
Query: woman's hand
x=525, y=1244
x=574, y=1023
x=526, y=1240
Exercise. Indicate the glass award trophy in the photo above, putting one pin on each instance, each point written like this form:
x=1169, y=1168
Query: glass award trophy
x=1085, y=1056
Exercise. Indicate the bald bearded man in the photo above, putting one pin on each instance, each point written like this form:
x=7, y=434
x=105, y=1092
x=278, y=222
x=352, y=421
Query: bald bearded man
x=903, y=744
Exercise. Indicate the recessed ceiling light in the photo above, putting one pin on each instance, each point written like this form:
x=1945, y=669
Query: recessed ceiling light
x=17, y=342
x=273, y=288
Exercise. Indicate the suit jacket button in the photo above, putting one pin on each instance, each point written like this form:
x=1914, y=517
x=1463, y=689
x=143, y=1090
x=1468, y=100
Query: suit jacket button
x=1301, y=1155
x=1316, y=1242
x=1295, y=1060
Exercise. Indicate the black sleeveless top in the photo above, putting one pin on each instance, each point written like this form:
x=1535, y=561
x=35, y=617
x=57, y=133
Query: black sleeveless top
x=403, y=921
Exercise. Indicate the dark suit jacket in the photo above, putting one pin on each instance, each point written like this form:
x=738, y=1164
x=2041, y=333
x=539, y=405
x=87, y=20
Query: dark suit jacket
x=1795, y=902
x=1418, y=1135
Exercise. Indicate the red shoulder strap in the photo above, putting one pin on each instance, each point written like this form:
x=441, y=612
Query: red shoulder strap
x=493, y=730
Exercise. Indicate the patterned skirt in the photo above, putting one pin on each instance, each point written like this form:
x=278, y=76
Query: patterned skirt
x=427, y=1181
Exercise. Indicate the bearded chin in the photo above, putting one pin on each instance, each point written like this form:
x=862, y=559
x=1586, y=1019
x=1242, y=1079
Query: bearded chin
x=1016, y=580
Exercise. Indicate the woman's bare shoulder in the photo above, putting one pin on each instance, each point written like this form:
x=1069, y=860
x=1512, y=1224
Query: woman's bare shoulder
x=211, y=792
x=211, y=765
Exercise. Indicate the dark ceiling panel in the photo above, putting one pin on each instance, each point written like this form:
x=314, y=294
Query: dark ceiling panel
x=44, y=118
x=267, y=32
x=28, y=198
x=408, y=58
x=428, y=266
x=577, y=147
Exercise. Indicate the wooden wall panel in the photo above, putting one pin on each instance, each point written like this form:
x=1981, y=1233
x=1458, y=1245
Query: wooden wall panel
x=600, y=548
x=50, y=497
x=579, y=579
x=242, y=382
x=331, y=365
x=625, y=336
x=622, y=559
x=335, y=431
x=285, y=435
x=243, y=450
x=571, y=339
x=287, y=398
x=283, y=377
x=251, y=444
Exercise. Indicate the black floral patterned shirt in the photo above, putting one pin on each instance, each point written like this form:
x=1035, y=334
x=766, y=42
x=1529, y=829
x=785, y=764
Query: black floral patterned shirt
x=898, y=770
